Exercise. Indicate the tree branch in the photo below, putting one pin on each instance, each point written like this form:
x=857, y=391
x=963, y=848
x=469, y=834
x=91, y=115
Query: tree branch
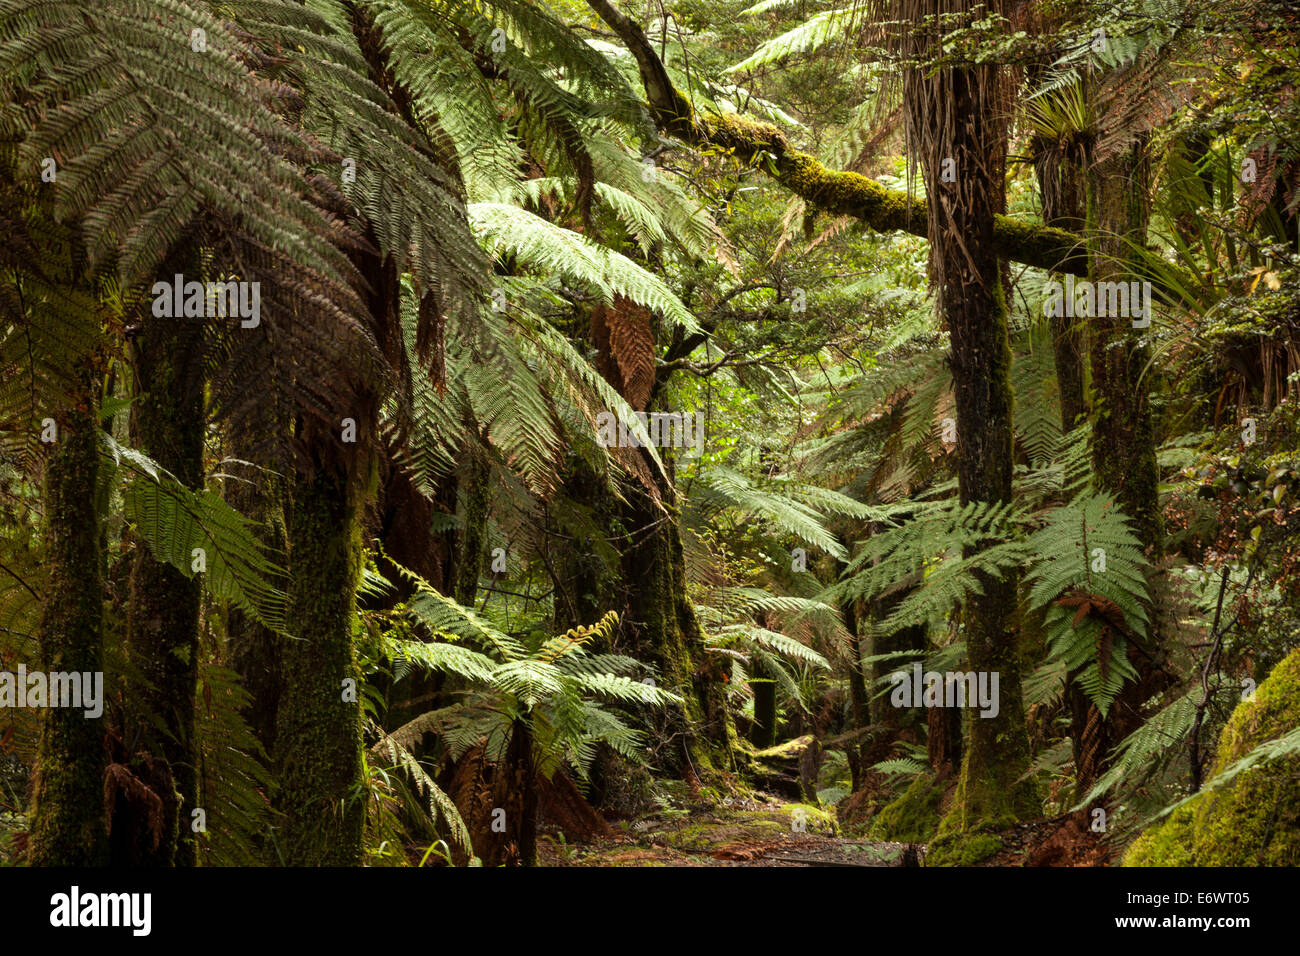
x=836, y=193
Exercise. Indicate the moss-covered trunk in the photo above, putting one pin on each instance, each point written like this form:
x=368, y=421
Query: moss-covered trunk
x=665, y=631
x=318, y=724
x=68, y=823
x=1123, y=430
x=162, y=625
x=955, y=120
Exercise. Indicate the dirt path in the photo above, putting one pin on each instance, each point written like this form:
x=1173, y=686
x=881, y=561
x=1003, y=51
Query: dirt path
x=738, y=833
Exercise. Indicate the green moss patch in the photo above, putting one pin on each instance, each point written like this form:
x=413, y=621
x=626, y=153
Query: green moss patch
x=1253, y=820
x=914, y=816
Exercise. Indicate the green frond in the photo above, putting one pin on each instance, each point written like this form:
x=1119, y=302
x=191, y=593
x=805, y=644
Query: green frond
x=199, y=534
x=554, y=250
x=822, y=29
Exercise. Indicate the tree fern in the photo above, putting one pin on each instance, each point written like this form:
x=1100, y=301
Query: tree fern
x=543, y=245
x=822, y=29
x=1089, y=574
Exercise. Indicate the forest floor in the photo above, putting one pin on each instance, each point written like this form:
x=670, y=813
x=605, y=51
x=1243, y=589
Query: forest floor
x=768, y=830
x=764, y=831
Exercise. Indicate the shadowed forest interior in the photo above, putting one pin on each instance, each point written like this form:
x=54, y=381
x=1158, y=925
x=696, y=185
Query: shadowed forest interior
x=587, y=433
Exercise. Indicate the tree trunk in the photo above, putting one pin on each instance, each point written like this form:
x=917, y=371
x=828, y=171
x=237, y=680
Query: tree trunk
x=162, y=627
x=763, y=733
x=475, y=489
x=1123, y=433
x=859, y=699
x=665, y=631
x=254, y=650
x=68, y=823
x=318, y=726
x=954, y=120
x=1060, y=183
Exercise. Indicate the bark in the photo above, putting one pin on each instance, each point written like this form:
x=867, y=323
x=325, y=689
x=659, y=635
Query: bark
x=475, y=491
x=404, y=520
x=664, y=630
x=162, y=627
x=254, y=650
x=954, y=120
x=859, y=699
x=763, y=732
x=1123, y=451
x=1060, y=183
x=318, y=726
x=68, y=824
x=1124, y=445
x=522, y=775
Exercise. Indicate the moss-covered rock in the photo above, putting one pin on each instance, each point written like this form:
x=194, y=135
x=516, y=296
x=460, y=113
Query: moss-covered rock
x=1255, y=819
x=1166, y=845
x=963, y=849
x=913, y=817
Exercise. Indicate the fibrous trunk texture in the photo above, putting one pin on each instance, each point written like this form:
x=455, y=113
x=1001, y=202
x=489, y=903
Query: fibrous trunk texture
x=956, y=126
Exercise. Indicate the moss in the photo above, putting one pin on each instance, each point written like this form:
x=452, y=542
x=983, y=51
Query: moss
x=994, y=788
x=665, y=631
x=1166, y=845
x=852, y=194
x=1253, y=820
x=318, y=732
x=963, y=849
x=815, y=819
x=914, y=816
x=68, y=823
x=791, y=749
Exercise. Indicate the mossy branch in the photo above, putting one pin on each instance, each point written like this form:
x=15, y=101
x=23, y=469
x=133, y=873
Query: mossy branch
x=836, y=193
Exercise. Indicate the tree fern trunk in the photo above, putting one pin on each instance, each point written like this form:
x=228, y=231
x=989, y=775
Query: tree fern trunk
x=1060, y=183
x=253, y=649
x=665, y=630
x=68, y=825
x=1123, y=431
x=859, y=699
x=763, y=733
x=898, y=723
x=519, y=762
x=163, y=616
x=1123, y=450
x=475, y=488
x=954, y=118
x=318, y=725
